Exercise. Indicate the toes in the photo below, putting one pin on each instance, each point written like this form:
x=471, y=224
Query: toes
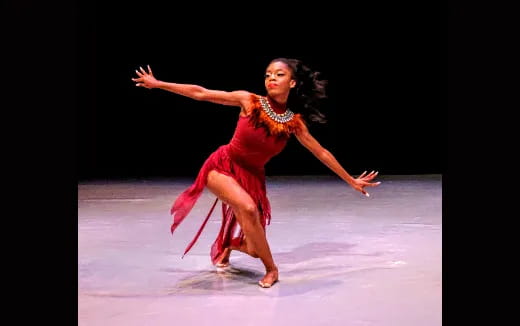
x=264, y=285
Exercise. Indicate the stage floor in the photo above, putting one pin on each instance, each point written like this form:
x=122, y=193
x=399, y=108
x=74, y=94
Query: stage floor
x=343, y=258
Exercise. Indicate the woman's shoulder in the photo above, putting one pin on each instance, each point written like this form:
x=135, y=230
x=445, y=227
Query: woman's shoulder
x=252, y=102
x=254, y=97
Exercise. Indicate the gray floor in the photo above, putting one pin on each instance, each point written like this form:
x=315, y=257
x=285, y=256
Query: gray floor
x=344, y=259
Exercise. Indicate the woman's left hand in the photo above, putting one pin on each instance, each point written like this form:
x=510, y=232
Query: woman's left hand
x=363, y=181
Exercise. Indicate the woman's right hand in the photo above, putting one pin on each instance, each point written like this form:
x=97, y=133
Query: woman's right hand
x=145, y=78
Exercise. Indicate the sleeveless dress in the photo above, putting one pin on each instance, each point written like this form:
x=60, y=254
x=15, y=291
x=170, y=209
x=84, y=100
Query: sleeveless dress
x=257, y=138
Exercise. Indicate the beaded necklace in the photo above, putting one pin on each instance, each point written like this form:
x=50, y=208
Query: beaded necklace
x=285, y=117
x=278, y=125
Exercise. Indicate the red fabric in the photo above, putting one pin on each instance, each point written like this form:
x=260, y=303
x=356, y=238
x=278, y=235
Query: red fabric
x=243, y=159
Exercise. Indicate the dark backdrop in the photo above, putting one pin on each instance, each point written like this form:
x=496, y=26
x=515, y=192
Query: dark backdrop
x=383, y=63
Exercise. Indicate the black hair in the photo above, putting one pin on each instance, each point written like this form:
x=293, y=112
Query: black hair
x=309, y=90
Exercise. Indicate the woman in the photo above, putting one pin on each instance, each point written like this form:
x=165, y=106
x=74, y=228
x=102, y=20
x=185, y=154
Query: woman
x=235, y=172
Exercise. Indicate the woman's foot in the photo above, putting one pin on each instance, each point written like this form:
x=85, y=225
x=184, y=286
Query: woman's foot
x=269, y=279
x=223, y=260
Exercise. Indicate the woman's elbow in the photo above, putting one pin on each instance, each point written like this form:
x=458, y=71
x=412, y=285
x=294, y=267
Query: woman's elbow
x=322, y=154
x=200, y=93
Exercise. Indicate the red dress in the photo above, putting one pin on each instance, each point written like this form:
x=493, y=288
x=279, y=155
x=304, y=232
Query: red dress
x=257, y=138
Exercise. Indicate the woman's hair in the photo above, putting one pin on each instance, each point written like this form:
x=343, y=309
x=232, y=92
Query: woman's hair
x=309, y=90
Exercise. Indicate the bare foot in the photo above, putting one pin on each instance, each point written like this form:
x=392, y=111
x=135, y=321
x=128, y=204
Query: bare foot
x=223, y=260
x=269, y=279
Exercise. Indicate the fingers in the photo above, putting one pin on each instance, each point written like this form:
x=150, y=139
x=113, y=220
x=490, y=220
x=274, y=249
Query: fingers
x=371, y=175
x=142, y=71
x=373, y=184
x=138, y=81
x=362, y=174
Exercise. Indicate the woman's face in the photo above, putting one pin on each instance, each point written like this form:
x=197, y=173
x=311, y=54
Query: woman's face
x=278, y=79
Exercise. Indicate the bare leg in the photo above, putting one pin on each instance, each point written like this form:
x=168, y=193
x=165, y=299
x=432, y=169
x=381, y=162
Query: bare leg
x=228, y=190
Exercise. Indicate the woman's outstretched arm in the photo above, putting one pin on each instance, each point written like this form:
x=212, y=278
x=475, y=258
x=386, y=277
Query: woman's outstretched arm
x=235, y=98
x=309, y=142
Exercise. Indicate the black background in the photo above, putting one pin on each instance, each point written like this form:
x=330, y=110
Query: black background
x=383, y=64
x=401, y=77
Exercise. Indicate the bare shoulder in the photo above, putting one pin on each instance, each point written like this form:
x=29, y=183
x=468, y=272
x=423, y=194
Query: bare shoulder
x=244, y=97
x=249, y=101
x=300, y=126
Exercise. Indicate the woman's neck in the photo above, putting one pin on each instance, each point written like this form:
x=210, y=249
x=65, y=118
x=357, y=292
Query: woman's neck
x=277, y=106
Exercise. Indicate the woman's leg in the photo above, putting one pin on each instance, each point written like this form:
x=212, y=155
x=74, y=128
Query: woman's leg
x=229, y=191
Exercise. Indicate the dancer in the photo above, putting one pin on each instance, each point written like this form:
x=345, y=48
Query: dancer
x=235, y=171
